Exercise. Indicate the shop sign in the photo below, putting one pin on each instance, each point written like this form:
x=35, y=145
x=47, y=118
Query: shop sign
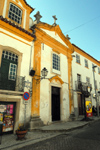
x=88, y=104
x=2, y=108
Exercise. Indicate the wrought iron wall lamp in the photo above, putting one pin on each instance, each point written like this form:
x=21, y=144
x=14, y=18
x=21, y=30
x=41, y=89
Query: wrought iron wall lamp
x=44, y=73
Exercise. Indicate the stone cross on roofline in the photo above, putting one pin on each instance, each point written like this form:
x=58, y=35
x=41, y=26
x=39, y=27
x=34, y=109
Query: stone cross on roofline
x=67, y=36
x=54, y=20
x=38, y=17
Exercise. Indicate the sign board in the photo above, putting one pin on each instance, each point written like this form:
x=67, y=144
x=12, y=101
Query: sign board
x=26, y=96
x=88, y=105
x=2, y=108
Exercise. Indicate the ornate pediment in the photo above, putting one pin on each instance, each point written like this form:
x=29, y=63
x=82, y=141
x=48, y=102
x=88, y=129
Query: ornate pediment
x=56, y=80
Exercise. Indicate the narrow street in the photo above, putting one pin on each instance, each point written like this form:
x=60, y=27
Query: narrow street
x=81, y=139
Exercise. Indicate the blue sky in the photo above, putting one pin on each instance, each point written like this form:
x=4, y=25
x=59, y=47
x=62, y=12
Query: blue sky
x=72, y=14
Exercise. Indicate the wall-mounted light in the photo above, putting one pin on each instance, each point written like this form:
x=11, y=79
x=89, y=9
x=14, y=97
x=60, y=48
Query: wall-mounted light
x=44, y=73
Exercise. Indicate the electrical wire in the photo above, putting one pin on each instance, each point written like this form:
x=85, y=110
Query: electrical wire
x=82, y=25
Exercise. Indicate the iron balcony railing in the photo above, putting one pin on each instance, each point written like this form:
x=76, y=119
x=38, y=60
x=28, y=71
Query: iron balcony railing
x=83, y=86
x=16, y=84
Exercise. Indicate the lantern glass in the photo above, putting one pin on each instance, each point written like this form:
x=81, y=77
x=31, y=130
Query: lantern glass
x=44, y=72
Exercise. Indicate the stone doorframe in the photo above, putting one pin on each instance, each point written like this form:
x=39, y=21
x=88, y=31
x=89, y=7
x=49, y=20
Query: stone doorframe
x=56, y=82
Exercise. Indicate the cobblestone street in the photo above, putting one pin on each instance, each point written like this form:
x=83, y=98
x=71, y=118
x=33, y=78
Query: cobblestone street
x=86, y=138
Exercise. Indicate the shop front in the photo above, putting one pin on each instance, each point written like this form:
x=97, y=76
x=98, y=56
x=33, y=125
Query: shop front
x=7, y=116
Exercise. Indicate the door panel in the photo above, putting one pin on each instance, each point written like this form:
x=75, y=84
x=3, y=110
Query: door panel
x=55, y=104
x=80, y=104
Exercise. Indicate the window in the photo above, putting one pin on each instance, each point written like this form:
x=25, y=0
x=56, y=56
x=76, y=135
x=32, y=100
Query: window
x=12, y=71
x=87, y=79
x=78, y=77
x=10, y=56
x=86, y=63
x=56, y=62
x=77, y=58
x=99, y=70
x=15, y=13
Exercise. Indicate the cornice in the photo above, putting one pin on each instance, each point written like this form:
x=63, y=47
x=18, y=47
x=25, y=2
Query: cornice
x=86, y=55
x=13, y=28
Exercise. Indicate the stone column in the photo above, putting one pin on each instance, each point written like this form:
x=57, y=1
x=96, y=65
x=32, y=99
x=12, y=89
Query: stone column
x=69, y=58
x=35, y=104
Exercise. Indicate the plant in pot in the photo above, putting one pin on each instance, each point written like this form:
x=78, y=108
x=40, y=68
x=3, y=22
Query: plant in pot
x=21, y=132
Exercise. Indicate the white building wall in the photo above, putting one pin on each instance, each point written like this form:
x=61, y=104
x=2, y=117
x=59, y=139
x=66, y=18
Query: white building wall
x=25, y=48
x=45, y=91
x=84, y=72
x=55, y=36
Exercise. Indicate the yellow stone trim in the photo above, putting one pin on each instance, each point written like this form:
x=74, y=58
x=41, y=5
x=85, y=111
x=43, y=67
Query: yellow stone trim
x=25, y=7
x=43, y=37
x=35, y=103
x=15, y=31
x=51, y=42
x=15, y=38
x=69, y=81
x=56, y=78
x=14, y=51
x=2, y=2
x=58, y=31
x=86, y=55
x=7, y=11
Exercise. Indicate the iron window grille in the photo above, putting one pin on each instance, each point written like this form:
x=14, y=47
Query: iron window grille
x=15, y=13
x=10, y=56
x=78, y=59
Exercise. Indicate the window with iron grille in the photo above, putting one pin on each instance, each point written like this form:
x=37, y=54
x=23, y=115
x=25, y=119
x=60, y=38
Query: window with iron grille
x=86, y=63
x=15, y=13
x=77, y=58
x=56, y=62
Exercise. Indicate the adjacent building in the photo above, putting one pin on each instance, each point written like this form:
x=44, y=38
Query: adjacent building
x=83, y=72
x=16, y=48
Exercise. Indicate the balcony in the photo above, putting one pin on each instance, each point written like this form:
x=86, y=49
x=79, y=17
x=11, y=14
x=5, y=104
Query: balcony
x=17, y=84
x=83, y=87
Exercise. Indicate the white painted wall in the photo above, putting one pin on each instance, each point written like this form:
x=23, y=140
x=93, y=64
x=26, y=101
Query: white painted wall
x=55, y=36
x=84, y=72
x=45, y=91
x=25, y=49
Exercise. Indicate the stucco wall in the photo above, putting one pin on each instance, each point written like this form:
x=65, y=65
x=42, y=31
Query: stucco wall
x=45, y=92
x=84, y=72
x=25, y=48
